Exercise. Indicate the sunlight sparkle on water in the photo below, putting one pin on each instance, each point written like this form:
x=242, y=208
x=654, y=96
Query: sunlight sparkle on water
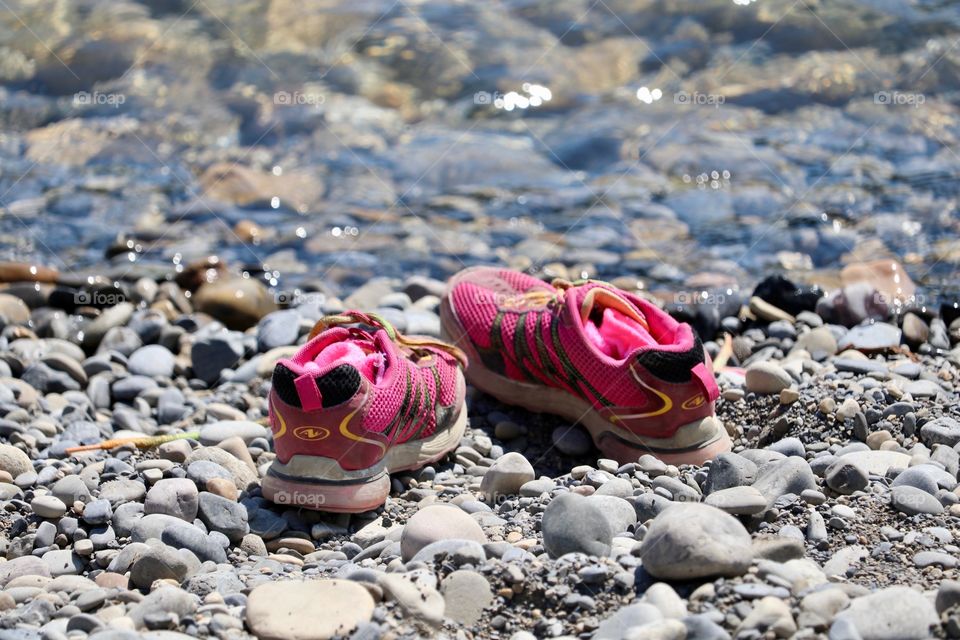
x=648, y=96
x=535, y=96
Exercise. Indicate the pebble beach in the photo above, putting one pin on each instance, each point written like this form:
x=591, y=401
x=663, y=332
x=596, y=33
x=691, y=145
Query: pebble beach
x=187, y=187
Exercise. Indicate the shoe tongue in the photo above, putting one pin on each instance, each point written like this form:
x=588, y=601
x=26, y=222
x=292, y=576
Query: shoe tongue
x=612, y=323
x=361, y=353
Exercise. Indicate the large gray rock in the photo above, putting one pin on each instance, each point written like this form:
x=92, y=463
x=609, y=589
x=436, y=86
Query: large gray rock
x=466, y=594
x=23, y=566
x=695, y=540
x=877, y=336
x=176, y=497
x=225, y=516
x=14, y=461
x=789, y=475
x=278, y=329
x=438, y=522
x=878, y=462
x=307, y=610
x=243, y=475
x=846, y=476
x=213, y=354
x=160, y=562
x=153, y=361
x=943, y=430
x=418, y=599
x=618, y=513
x=767, y=378
x=913, y=501
x=635, y=615
x=71, y=489
x=152, y=526
x=739, y=501
x=572, y=523
x=216, y=432
x=894, y=613
x=729, y=470
x=505, y=477
x=926, y=477
x=189, y=537
x=63, y=562
x=164, y=600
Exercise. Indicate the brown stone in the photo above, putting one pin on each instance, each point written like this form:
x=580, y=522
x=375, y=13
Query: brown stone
x=223, y=488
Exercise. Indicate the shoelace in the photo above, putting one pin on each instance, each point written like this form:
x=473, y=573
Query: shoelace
x=542, y=296
x=412, y=343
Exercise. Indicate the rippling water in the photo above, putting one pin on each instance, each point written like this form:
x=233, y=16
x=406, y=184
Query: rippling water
x=683, y=142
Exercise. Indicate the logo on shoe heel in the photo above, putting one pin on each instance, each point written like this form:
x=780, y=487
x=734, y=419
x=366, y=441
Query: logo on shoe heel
x=299, y=499
x=311, y=434
x=695, y=402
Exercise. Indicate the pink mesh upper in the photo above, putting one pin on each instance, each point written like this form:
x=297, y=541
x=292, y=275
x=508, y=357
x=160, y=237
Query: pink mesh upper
x=596, y=367
x=392, y=374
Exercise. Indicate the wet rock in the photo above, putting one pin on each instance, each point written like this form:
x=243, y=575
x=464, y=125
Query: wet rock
x=246, y=186
x=887, y=277
x=871, y=337
x=786, y=295
x=239, y=303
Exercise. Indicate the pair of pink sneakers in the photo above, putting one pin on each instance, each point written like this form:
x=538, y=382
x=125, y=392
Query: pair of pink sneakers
x=359, y=400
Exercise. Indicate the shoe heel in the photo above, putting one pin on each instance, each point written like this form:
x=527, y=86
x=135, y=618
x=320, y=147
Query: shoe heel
x=322, y=490
x=693, y=443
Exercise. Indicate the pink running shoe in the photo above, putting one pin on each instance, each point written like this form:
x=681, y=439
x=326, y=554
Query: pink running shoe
x=352, y=406
x=638, y=380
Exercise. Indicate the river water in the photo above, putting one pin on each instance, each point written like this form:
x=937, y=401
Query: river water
x=684, y=144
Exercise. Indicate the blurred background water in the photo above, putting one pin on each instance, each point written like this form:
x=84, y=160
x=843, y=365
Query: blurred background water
x=682, y=144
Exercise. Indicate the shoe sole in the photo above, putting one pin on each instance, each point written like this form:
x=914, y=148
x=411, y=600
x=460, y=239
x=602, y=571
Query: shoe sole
x=318, y=483
x=693, y=443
